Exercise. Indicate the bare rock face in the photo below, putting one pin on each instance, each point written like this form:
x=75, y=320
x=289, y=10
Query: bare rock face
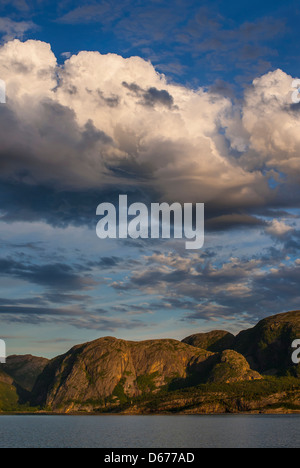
x=24, y=370
x=215, y=341
x=117, y=369
x=233, y=367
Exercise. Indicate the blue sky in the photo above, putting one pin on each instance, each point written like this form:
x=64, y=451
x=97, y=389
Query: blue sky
x=193, y=42
x=164, y=101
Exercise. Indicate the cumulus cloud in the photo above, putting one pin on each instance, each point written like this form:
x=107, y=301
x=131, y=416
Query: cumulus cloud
x=102, y=121
x=271, y=122
x=278, y=228
x=77, y=134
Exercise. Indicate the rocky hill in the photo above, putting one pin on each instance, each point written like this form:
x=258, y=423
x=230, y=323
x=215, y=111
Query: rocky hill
x=267, y=346
x=24, y=370
x=108, y=370
x=215, y=341
x=17, y=378
x=232, y=367
x=206, y=372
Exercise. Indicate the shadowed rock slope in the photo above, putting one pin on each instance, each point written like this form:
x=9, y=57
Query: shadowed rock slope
x=215, y=341
x=267, y=346
x=24, y=370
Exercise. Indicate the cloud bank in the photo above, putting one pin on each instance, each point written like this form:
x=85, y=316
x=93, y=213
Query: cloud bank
x=101, y=121
x=81, y=133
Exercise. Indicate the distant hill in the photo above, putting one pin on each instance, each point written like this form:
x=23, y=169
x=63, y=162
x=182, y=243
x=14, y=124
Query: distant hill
x=267, y=346
x=17, y=378
x=24, y=370
x=206, y=372
x=215, y=341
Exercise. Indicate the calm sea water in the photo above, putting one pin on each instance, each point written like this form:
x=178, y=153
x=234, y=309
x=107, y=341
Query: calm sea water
x=232, y=431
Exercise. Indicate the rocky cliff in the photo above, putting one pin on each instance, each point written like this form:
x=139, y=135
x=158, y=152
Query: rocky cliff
x=110, y=371
x=113, y=369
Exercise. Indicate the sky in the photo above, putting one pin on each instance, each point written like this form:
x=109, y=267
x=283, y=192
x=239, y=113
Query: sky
x=182, y=101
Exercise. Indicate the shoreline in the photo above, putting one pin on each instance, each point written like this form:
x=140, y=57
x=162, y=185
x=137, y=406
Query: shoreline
x=242, y=413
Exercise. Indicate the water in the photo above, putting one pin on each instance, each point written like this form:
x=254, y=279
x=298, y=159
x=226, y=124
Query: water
x=232, y=431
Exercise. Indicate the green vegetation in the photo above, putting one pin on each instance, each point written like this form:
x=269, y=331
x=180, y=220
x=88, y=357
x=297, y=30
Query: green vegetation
x=233, y=397
x=119, y=392
x=146, y=382
x=10, y=402
x=8, y=397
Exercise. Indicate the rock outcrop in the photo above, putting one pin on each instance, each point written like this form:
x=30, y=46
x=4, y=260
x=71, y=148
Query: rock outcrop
x=232, y=367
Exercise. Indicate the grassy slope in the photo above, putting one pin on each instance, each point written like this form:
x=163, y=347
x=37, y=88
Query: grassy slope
x=8, y=397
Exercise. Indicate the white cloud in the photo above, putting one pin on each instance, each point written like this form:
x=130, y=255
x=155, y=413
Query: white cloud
x=99, y=116
x=272, y=125
x=11, y=29
x=278, y=228
x=102, y=119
